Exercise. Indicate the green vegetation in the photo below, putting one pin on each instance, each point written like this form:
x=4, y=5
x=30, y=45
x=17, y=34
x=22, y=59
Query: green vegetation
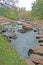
x=37, y=10
x=13, y=13
x=8, y=55
x=23, y=14
x=8, y=12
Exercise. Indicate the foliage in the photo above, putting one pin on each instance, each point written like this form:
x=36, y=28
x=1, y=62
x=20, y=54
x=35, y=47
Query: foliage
x=15, y=14
x=8, y=12
x=37, y=9
x=23, y=14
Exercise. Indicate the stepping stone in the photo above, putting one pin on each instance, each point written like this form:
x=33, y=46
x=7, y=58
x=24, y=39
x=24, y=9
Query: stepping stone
x=39, y=36
x=37, y=59
x=41, y=33
x=41, y=40
x=36, y=50
x=41, y=44
x=29, y=62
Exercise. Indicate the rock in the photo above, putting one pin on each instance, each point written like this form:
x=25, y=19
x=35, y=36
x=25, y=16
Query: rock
x=11, y=35
x=39, y=36
x=20, y=23
x=36, y=50
x=41, y=44
x=40, y=32
x=11, y=30
x=41, y=40
x=3, y=30
x=29, y=62
x=35, y=30
x=22, y=30
x=27, y=26
x=37, y=59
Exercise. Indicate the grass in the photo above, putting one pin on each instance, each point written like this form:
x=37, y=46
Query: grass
x=8, y=55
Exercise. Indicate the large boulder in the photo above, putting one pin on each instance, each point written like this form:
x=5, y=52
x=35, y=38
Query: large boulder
x=39, y=36
x=40, y=40
x=27, y=26
x=37, y=59
x=41, y=44
x=36, y=50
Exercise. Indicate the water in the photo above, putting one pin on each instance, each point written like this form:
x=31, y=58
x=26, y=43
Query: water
x=24, y=42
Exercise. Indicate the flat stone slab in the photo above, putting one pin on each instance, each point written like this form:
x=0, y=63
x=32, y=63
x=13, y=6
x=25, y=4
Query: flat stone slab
x=41, y=40
x=37, y=59
x=39, y=36
x=29, y=62
x=37, y=50
x=41, y=44
x=41, y=33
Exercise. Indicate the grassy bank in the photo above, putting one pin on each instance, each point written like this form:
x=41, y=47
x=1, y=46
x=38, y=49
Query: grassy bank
x=8, y=55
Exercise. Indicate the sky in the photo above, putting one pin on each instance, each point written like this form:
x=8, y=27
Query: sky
x=26, y=3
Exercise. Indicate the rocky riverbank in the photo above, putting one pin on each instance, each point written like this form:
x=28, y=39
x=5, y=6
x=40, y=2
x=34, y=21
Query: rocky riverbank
x=36, y=52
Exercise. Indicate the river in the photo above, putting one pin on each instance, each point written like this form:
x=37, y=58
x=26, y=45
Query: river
x=24, y=42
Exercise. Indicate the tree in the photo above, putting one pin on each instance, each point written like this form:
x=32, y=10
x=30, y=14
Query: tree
x=37, y=9
x=9, y=2
x=8, y=10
